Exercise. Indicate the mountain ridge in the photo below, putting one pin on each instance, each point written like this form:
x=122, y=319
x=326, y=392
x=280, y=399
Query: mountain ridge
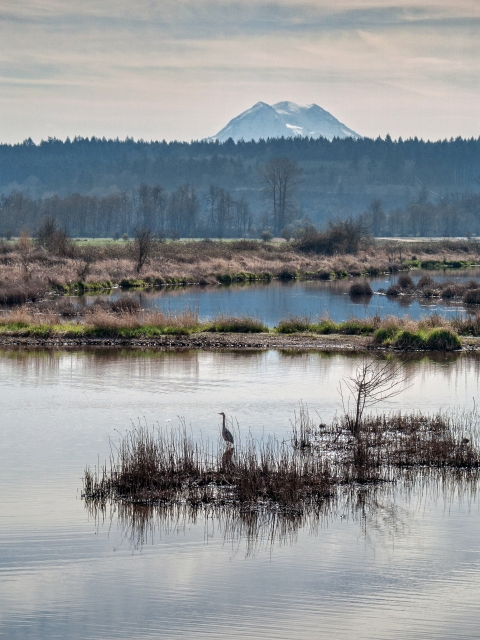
x=283, y=119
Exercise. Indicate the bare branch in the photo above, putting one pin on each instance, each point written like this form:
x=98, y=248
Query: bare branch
x=373, y=382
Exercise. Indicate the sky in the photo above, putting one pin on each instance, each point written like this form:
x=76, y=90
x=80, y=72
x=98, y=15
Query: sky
x=181, y=69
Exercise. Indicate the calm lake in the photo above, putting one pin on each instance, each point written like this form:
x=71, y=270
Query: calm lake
x=405, y=565
x=271, y=302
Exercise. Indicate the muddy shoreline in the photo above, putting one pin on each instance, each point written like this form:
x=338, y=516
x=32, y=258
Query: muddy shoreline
x=211, y=341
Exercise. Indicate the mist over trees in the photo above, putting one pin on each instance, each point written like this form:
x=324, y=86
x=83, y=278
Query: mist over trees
x=94, y=187
x=452, y=215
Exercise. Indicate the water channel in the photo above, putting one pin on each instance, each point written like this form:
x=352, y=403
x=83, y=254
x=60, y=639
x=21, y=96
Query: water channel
x=408, y=566
x=272, y=302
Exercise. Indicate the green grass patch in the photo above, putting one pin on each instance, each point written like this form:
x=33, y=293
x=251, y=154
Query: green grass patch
x=324, y=327
x=355, y=328
x=438, y=339
x=242, y=276
x=294, y=325
x=80, y=287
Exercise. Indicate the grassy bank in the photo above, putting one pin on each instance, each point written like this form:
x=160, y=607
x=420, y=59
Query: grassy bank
x=124, y=319
x=100, y=323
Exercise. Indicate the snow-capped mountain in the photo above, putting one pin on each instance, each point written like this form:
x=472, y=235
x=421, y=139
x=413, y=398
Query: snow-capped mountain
x=284, y=119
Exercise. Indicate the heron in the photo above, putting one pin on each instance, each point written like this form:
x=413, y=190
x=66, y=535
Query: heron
x=226, y=434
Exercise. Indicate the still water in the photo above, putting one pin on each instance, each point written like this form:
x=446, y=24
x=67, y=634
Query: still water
x=409, y=567
x=282, y=299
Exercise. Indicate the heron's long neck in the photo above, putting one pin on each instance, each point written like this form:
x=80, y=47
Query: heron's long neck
x=224, y=421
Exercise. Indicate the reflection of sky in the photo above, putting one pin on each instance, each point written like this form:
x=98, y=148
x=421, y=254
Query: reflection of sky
x=277, y=300
x=416, y=575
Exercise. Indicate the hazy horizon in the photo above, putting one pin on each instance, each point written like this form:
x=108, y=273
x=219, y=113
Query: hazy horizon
x=180, y=70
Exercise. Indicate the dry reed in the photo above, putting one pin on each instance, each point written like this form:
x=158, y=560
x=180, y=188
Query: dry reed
x=152, y=466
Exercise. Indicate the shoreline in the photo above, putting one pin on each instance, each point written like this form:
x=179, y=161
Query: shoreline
x=333, y=343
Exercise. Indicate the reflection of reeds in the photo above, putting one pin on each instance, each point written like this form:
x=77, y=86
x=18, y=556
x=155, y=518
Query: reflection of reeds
x=381, y=510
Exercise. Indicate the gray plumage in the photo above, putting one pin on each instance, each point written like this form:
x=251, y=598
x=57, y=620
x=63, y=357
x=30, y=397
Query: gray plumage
x=226, y=434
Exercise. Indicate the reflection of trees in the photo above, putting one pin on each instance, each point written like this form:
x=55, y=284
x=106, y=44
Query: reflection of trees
x=156, y=363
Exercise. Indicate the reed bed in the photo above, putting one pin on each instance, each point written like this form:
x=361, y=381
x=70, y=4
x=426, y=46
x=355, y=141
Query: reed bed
x=159, y=466
x=156, y=465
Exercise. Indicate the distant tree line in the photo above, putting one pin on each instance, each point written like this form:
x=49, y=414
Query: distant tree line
x=338, y=178
x=450, y=216
x=186, y=212
x=181, y=213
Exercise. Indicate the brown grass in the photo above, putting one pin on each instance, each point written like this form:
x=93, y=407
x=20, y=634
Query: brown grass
x=206, y=262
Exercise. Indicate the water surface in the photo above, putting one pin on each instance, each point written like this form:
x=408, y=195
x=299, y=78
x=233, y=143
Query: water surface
x=407, y=568
x=271, y=302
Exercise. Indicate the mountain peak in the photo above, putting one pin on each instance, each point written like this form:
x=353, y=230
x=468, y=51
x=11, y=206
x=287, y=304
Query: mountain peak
x=284, y=119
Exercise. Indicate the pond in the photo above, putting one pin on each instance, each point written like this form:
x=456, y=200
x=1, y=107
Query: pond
x=404, y=565
x=271, y=302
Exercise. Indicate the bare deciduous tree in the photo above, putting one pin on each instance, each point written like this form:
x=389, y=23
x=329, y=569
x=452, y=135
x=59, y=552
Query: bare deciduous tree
x=143, y=245
x=280, y=178
x=373, y=382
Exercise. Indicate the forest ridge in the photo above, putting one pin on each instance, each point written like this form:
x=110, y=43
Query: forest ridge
x=339, y=178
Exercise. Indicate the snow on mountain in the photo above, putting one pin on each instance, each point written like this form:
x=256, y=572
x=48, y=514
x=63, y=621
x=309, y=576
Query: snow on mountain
x=284, y=119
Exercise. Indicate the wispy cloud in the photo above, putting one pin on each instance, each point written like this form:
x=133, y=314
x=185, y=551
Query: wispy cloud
x=190, y=65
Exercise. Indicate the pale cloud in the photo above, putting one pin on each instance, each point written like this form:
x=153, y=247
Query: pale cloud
x=182, y=69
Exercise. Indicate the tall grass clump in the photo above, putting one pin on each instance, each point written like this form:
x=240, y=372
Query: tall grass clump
x=296, y=324
x=240, y=324
x=159, y=465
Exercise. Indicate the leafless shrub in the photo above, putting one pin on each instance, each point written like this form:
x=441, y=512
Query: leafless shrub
x=143, y=245
x=373, y=382
x=54, y=239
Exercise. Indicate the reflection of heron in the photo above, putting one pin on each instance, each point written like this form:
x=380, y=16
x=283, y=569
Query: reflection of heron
x=227, y=459
x=226, y=435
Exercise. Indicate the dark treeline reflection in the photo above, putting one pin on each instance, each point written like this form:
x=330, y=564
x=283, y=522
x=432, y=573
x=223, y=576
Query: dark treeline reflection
x=150, y=362
x=383, y=513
